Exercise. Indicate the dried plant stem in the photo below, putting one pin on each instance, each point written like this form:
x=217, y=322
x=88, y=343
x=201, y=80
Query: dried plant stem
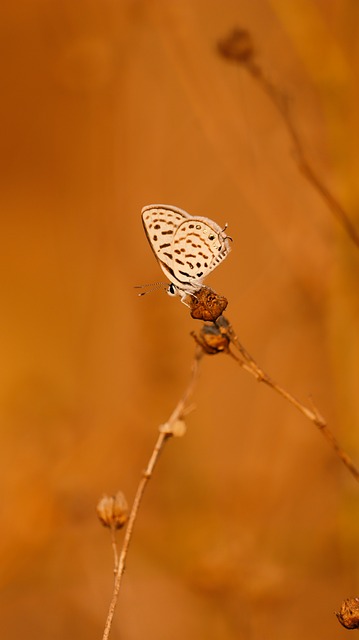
x=303, y=164
x=114, y=548
x=247, y=363
x=238, y=47
x=166, y=431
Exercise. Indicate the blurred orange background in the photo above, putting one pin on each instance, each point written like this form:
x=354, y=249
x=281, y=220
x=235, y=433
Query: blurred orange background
x=250, y=525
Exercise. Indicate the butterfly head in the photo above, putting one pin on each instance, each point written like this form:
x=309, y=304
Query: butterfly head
x=172, y=290
x=217, y=239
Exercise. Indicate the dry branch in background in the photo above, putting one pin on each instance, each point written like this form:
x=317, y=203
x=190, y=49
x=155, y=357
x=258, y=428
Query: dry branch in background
x=238, y=48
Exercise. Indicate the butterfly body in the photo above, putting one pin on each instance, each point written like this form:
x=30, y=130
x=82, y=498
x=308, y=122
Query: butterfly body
x=187, y=247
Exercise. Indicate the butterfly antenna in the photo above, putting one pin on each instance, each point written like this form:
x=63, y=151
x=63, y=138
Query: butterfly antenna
x=151, y=287
x=224, y=228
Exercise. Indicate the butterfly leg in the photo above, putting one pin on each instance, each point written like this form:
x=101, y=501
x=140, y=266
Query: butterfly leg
x=184, y=296
x=183, y=300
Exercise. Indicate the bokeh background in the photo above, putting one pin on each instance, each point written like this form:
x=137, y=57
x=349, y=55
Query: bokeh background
x=249, y=528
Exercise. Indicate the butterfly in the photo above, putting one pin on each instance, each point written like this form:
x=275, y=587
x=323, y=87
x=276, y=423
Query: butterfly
x=187, y=247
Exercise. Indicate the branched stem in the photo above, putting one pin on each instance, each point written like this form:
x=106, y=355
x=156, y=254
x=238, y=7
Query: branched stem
x=164, y=435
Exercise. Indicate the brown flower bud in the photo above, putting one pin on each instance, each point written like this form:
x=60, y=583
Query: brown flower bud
x=206, y=304
x=112, y=511
x=237, y=46
x=214, y=338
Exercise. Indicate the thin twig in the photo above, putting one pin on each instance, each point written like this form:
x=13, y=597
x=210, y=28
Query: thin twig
x=114, y=549
x=238, y=48
x=302, y=162
x=248, y=364
x=166, y=431
x=219, y=336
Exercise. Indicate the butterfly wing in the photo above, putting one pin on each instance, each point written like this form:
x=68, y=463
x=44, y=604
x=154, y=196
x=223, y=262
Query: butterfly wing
x=199, y=246
x=161, y=222
x=187, y=248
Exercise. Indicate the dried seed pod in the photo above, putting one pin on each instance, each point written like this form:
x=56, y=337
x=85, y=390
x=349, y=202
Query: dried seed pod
x=112, y=511
x=348, y=615
x=176, y=429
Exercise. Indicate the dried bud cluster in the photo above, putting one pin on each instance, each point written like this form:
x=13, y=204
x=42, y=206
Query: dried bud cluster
x=112, y=511
x=214, y=338
x=207, y=305
x=348, y=615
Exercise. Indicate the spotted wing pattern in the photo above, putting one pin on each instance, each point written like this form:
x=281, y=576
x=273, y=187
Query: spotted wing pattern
x=187, y=247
